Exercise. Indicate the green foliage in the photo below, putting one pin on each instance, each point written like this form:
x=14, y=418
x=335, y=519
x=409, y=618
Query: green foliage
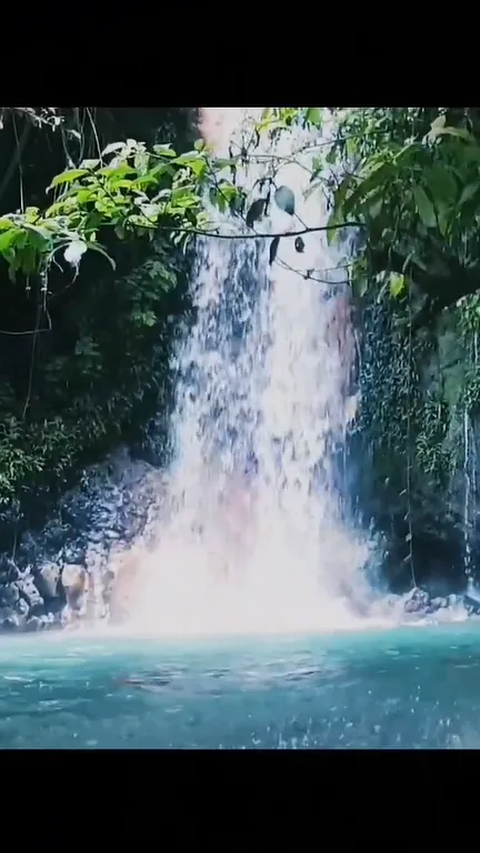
x=106, y=387
x=89, y=287
x=407, y=180
x=414, y=193
x=127, y=189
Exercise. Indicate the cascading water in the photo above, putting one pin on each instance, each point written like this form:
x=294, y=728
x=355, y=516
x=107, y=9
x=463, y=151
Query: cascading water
x=252, y=538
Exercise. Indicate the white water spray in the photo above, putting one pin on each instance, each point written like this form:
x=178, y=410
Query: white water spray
x=253, y=539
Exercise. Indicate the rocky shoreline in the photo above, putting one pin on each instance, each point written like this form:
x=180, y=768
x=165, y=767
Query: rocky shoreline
x=74, y=569
x=66, y=572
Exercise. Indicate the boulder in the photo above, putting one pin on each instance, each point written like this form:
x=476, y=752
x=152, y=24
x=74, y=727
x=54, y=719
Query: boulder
x=47, y=579
x=75, y=583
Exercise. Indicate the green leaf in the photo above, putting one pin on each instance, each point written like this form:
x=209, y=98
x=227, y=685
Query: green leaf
x=376, y=176
x=439, y=123
x=112, y=147
x=164, y=151
x=188, y=158
x=90, y=164
x=375, y=206
x=425, y=208
x=285, y=200
x=113, y=171
x=459, y=132
x=32, y=214
x=222, y=163
x=397, y=285
x=442, y=183
x=144, y=318
x=360, y=286
x=199, y=168
x=332, y=232
x=255, y=212
x=273, y=249
x=67, y=177
x=314, y=116
x=28, y=260
x=8, y=239
x=468, y=192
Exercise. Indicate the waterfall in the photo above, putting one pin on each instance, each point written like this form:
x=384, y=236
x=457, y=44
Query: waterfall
x=253, y=536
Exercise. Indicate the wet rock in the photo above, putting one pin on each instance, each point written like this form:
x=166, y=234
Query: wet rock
x=30, y=550
x=74, y=582
x=34, y=624
x=47, y=579
x=55, y=534
x=112, y=534
x=96, y=536
x=417, y=601
x=472, y=605
x=439, y=603
x=113, y=510
x=9, y=595
x=11, y=622
x=8, y=570
x=111, y=507
x=29, y=591
x=73, y=553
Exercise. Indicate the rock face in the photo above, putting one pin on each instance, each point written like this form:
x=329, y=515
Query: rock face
x=416, y=451
x=67, y=570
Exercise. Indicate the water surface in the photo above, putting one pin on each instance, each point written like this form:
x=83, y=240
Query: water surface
x=405, y=688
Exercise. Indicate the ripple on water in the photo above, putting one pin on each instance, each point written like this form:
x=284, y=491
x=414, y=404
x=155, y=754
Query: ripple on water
x=396, y=690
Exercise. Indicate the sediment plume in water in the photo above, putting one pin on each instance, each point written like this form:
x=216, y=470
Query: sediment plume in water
x=253, y=538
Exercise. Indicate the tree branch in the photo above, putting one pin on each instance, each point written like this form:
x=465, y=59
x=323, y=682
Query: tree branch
x=258, y=235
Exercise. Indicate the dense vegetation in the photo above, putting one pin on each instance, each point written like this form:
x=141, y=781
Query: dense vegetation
x=83, y=346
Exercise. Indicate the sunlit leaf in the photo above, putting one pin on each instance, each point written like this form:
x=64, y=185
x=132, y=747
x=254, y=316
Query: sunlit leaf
x=164, y=151
x=89, y=164
x=397, y=285
x=425, y=207
x=314, y=116
x=112, y=147
x=67, y=177
x=8, y=239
